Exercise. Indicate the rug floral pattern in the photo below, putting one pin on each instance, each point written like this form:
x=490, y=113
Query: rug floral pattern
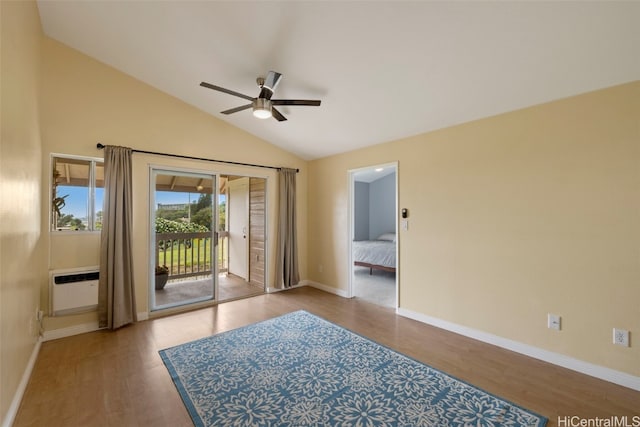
x=300, y=370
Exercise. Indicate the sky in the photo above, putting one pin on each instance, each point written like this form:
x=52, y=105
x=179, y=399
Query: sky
x=76, y=200
x=171, y=197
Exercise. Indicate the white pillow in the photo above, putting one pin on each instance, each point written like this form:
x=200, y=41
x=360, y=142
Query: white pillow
x=391, y=237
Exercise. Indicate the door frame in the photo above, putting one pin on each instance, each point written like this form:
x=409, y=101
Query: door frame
x=351, y=227
x=246, y=231
x=267, y=229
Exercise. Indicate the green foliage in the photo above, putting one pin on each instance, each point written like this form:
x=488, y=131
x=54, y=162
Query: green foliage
x=175, y=221
x=172, y=214
x=166, y=226
x=202, y=217
x=58, y=203
x=204, y=201
x=76, y=224
x=162, y=269
x=98, y=225
x=70, y=222
x=222, y=216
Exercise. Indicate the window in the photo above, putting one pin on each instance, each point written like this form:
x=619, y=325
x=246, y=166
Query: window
x=77, y=192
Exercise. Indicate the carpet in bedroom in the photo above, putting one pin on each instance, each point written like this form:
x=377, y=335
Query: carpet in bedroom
x=378, y=288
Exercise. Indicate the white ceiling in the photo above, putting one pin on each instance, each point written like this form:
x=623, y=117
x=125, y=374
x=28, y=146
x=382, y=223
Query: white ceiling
x=383, y=70
x=370, y=175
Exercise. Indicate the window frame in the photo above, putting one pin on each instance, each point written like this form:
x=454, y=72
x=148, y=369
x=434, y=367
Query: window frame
x=91, y=211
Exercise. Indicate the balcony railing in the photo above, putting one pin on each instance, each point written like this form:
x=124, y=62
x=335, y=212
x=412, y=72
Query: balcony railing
x=190, y=254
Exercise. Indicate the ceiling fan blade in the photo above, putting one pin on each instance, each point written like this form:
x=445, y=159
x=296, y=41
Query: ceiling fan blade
x=235, y=110
x=277, y=115
x=308, y=102
x=228, y=91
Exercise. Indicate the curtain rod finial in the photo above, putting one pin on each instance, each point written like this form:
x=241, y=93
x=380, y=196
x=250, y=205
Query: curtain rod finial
x=99, y=146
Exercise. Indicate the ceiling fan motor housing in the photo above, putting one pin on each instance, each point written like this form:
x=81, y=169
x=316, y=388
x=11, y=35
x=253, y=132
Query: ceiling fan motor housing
x=262, y=107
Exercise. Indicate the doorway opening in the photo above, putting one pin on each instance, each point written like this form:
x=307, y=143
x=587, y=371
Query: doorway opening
x=373, y=234
x=245, y=227
x=207, y=237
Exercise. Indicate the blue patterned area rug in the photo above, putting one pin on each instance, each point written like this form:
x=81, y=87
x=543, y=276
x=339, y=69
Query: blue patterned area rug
x=300, y=370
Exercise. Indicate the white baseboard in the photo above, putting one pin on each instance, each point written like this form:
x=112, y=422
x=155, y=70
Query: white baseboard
x=17, y=397
x=270, y=290
x=340, y=292
x=313, y=284
x=55, y=334
x=601, y=372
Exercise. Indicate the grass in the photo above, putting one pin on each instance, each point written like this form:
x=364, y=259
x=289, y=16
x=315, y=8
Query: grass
x=187, y=259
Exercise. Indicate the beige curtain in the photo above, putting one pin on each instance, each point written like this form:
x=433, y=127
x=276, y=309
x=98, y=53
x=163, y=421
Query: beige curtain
x=116, y=293
x=287, y=274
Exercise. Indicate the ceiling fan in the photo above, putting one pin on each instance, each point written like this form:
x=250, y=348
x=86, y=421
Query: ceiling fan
x=263, y=106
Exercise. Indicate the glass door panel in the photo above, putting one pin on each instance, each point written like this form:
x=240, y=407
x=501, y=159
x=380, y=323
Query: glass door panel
x=184, y=238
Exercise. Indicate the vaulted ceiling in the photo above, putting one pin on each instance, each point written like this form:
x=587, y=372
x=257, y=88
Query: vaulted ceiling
x=383, y=70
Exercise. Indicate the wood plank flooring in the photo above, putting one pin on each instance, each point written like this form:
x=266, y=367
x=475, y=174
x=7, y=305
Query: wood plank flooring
x=117, y=378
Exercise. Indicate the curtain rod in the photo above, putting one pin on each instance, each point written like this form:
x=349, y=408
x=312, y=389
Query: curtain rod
x=100, y=146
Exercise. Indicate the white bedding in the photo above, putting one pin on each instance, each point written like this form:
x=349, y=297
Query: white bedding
x=376, y=252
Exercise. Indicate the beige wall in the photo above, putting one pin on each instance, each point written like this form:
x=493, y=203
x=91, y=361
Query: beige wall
x=511, y=217
x=85, y=102
x=22, y=259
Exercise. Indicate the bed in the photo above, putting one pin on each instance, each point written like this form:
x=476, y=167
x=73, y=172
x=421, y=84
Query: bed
x=379, y=254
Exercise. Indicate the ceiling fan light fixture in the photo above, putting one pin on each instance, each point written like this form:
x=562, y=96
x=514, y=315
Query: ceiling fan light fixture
x=262, y=108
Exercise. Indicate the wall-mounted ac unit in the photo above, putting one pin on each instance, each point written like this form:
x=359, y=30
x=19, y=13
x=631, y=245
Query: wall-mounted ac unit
x=73, y=291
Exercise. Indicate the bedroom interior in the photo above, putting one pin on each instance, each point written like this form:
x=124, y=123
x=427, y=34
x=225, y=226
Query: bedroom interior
x=518, y=162
x=373, y=197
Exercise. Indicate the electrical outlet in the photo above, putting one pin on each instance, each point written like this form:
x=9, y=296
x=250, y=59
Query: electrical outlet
x=553, y=321
x=621, y=337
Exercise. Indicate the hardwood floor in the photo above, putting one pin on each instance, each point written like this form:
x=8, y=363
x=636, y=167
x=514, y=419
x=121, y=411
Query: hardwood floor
x=117, y=378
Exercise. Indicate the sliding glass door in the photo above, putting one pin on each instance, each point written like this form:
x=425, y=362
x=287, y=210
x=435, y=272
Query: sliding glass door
x=183, y=238
x=207, y=238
